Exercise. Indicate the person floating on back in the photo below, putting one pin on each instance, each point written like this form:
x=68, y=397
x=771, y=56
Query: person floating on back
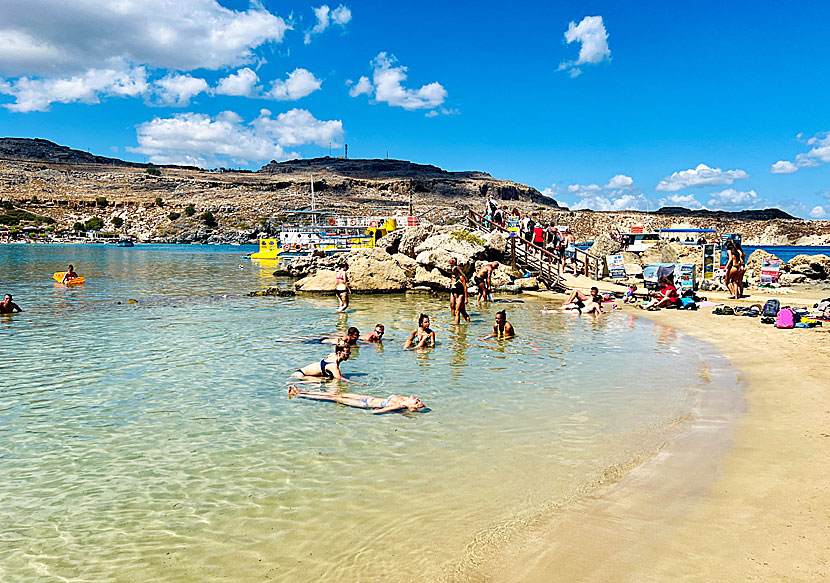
x=390, y=403
x=7, y=306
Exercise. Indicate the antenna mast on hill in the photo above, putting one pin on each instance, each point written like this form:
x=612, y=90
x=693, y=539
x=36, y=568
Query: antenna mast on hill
x=411, y=214
x=347, y=152
x=313, y=208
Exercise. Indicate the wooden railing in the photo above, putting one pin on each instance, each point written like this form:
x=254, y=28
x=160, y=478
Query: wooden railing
x=536, y=259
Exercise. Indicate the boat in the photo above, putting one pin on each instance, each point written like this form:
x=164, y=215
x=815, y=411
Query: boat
x=638, y=241
x=690, y=237
x=336, y=235
x=125, y=242
x=58, y=276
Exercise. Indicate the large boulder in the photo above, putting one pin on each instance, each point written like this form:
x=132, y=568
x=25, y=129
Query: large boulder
x=528, y=283
x=390, y=242
x=406, y=263
x=604, y=245
x=414, y=236
x=322, y=281
x=431, y=278
x=788, y=279
x=662, y=252
x=813, y=266
x=755, y=260
x=461, y=245
x=495, y=245
x=373, y=270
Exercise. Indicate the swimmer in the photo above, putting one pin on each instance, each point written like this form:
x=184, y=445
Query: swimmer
x=351, y=337
x=422, y=335
x=458, y=292
x=390, y=403
x=375, y=336
x=70, y=274
x=328, y=368
x=502, y=328
x=7, y=306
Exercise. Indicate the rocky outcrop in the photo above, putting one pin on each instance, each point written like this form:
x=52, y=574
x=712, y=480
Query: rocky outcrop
x=431, y=278
x=437, y=250
x=755, y=261
x=604, y=245
x=811, y=266
x=322, y=281
x=373, y=270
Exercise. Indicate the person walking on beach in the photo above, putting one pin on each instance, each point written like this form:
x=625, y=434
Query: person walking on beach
x=484, y=280
x=458, y=292
x=69, y=275
x=390, y=403
x=342, y=289
x=421, y=336
x=735, y=269
x=327, y=368
x=7, y=306
x=502, y=328
x=570, y=249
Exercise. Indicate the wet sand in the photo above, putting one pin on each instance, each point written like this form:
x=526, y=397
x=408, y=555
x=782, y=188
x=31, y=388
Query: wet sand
x=755, y=508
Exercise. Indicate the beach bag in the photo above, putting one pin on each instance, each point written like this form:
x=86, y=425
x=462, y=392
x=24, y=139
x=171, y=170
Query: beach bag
x=688, y=304
x=785, y=319
x=771, y=308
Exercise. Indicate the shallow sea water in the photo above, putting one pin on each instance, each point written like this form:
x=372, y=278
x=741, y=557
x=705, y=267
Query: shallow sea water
x=155, y=441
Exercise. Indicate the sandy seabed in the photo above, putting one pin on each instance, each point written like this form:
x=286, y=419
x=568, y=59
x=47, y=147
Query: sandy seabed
x=757, y=509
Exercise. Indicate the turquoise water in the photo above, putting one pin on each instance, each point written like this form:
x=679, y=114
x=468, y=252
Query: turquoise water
x=155, y=441
x=787, y=252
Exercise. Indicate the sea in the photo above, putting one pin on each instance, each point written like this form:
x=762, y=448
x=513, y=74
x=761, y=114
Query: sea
x=146, y=433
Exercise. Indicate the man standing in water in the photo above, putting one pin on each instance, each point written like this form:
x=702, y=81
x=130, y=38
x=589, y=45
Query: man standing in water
x=458, y=292
x=484, y=280
x=7, y=306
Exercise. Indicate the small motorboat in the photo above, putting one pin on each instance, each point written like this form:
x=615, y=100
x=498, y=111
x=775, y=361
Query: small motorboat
x=125, y=242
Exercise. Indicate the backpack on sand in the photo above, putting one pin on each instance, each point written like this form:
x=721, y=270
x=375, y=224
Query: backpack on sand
x=785, y=319
x=771, y=308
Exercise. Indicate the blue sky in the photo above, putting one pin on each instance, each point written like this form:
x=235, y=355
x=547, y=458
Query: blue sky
x=604, y=105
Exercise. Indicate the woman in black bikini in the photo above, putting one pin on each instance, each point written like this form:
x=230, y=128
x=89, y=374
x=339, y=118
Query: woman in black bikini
x=328, y=368
x=390, y=403
x=458, y=292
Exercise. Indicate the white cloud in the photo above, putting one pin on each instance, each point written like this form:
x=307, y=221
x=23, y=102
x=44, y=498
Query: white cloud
x=731, y=199
x=611, y=202
x=196, y=139
x=87, y=87
x=387, y=84
x=685, y=200
x=299, y=83
x=67, y=56
x=297, y=127
x=362, y=87
x=84, y=34
x=325, y=17
x=700, y=176
x=241, y=84
x=620, y=181
x=819, y=212
x=594, y=38
x=783, y=167
x=177, y=90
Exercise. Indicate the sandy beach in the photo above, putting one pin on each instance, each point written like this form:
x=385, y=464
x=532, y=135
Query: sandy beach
x=757, y=511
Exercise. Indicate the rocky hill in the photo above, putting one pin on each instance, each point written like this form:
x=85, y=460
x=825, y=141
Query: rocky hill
x=72, y=186
x=149, y=202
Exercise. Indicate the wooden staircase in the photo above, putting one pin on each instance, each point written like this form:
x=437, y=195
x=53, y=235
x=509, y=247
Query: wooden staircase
x=540, y=262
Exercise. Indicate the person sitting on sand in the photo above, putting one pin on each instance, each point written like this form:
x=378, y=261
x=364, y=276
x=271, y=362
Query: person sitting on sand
x=69, y=275
x=667, y=296
x=576, y=300
x=422, y=335
x=342, y=289
x=458, y=292
x=484, y=280
x=629, y=297
x=502, y=328
x=7, y=306
x=592, y=306
x=350, y=338
x=328, y=368
x=374, y=336
x=390, y=403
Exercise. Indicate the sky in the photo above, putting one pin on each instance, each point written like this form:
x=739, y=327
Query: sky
x=601, y=105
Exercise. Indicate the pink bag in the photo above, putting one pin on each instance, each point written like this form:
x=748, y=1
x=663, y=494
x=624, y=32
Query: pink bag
x=785, y=318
